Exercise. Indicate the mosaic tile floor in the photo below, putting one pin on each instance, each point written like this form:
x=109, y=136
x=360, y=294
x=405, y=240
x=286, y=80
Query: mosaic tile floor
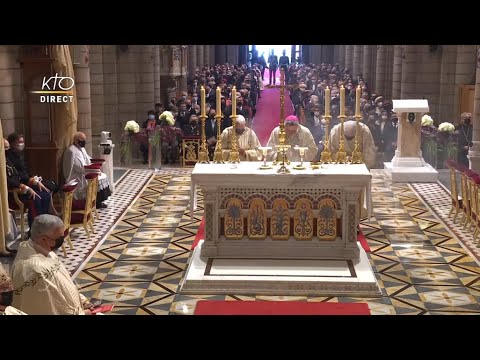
x=420, y=265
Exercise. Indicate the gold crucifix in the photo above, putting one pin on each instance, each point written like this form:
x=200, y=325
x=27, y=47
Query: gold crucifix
x=281, y=154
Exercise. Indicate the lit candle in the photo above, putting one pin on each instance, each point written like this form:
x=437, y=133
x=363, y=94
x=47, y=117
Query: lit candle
x=234, y=101
x=357, y=104
x=342, y=101
x=327, y=101
x=219, y=101
x=202, y=97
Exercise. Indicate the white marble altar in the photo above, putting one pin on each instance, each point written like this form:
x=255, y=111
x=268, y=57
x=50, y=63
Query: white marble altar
x=259, y=214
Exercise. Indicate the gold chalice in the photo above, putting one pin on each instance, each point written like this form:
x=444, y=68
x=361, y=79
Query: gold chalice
x=264, y=150
x=301, y=150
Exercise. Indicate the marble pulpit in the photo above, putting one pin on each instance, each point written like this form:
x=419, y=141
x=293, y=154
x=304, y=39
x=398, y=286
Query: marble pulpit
x=284, y=234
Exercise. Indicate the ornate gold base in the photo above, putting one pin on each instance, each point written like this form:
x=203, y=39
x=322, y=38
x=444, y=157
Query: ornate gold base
x=234, y=157
x=357, y=158
x=326, y=157
x=315, y=165
x=341, y=157
x=218, y=156
x=283, y=170
x=299, y=167
x=203, y=157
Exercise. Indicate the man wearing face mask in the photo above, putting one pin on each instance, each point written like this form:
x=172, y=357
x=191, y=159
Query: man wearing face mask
x=465, y=132
x=367, y=145
x=297, y=135
x=6, y=295
x=75, y=158
x=192, y=129
x=42, y=284
x=247, y=141
x=317, y=126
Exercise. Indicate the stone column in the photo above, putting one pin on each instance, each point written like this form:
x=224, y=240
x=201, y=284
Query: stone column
x=221, y=54
x=474, y=153
x=200, y=56
x=380, y=71
x=367, y=63
x=409, y=65
x=7, y=90
x=357, y=60
x=336, y=53
x=183, y=67
x=232, y=54
x=206, y=55
x=82, y=85
x=212, y=54
x=447, y=80
x=388, y=71
x=427, y=78
x=127, y=98
x=464, y=72
x=192, y=60
x=349, y=57
x=397, y=71
x=97, y=95
x=111, y=120
x=156, y=73
x=341, y=55
x=145, y=87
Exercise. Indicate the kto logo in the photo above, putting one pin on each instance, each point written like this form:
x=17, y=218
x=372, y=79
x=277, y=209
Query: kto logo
x=56, y=89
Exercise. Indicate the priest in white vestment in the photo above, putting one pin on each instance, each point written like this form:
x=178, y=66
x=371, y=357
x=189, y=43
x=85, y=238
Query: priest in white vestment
x=366, y=142
x=296, y=135
x=42, y=285
x=6, y=295
x=75, y=158
x=247, y=141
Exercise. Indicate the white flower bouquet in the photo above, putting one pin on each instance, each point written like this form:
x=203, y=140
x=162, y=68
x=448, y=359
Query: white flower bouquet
x=427, y=120
x=167, y=116
x=132, y=127
x=446, y=127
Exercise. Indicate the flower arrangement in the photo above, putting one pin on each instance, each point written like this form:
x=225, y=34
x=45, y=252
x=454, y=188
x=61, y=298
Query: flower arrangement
x=132, y=127
x=427, y=120
x=446, y=127
x=167, y=116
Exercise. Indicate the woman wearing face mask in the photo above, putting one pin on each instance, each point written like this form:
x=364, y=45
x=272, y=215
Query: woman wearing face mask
x=6, y=295
x=465, y=131
x=37, y=200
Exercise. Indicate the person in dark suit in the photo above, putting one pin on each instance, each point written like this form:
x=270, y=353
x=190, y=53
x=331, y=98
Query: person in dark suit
x=272, y=66
x=390, y=136
x=211, y=131
x=263, y=63
x=284, y=61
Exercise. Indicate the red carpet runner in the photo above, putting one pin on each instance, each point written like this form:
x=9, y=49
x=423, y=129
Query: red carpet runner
x=207, y=307
x=201, y=235
x=268, y=111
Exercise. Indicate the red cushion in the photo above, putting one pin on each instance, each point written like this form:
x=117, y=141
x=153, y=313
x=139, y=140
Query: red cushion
x=97, y=160
x=78, y=205
x=451, y=164
x=91, y=175
x=77, y=219
x=69, y=188
x=93, y=167
x=469, y=173
x=476, y=179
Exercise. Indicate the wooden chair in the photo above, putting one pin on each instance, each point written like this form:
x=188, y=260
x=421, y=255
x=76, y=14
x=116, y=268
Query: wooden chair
x=456, y=200
x=82, y=210
x=190, y=149
x=95, y=168
x=17, y=205
x=473, y=199
x=67, y=191
x=466, y=197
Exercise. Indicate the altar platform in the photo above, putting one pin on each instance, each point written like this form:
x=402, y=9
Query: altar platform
x=333, y=277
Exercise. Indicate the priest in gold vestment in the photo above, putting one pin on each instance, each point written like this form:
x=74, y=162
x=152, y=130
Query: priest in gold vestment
x=247, y=141
x=296, y=135
x=42, y=285
x=366, y=142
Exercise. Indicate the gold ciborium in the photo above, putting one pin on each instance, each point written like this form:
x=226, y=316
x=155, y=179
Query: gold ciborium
x=264, y=150
x=301, y=150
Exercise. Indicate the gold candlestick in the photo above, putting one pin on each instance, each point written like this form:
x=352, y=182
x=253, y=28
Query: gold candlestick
x=341, y=154
x=326, y=155
x=234, y=157
x=203, y=153
x=218, y=155
x=357, y=156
